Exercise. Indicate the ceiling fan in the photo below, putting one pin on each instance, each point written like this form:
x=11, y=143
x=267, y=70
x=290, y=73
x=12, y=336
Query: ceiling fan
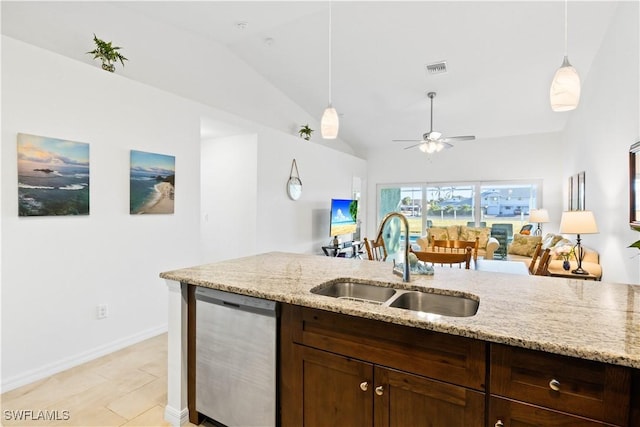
x=433, y=141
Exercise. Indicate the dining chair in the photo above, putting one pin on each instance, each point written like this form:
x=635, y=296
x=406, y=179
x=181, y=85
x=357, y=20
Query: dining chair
x=543, y=265
x=376, y=250
x=442, y=257
x=456, y=246
x=534, y=258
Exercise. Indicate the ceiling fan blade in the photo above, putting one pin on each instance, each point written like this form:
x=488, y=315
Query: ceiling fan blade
x=458, y=138
x=406, y=140
x=414, y=145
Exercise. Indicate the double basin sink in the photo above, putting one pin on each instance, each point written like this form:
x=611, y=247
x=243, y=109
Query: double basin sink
x=419, y=301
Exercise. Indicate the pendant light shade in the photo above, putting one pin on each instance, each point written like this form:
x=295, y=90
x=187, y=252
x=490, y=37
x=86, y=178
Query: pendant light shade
x=330, y=123
x=565, y=88
x=564, y=94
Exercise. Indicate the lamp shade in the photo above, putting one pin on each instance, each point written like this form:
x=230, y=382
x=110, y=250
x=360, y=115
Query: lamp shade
x=330, y=123
x=564, y=94
x=539, y=215
x=578, y=222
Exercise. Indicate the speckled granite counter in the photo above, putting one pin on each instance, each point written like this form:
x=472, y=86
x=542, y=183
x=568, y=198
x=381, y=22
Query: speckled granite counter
x=590, y=320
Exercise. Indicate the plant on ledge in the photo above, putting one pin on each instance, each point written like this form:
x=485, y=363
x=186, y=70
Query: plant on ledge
x=305, y=132
x=107, y=53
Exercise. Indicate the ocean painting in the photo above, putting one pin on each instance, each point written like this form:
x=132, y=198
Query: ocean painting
x=53, y=176
x=152, y=183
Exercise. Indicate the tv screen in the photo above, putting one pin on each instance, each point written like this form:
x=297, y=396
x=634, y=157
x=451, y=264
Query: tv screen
x=343, y=216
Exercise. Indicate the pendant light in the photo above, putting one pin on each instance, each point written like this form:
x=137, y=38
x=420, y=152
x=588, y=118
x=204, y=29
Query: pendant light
x=330, y=123
x=565, y=87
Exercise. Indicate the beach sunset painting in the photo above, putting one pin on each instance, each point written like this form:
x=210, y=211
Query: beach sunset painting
x=53, y=176
x=152, y=183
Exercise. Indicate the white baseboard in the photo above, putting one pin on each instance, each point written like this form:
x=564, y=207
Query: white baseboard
x=176, y=417
x=70, y=362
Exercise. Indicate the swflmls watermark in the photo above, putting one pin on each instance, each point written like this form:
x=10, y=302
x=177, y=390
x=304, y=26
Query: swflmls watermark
x=36, y=415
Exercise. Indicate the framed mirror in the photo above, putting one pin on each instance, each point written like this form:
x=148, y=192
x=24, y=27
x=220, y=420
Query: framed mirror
x=634, y=186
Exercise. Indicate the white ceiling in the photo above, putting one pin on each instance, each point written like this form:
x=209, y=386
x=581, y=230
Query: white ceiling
x=501, y=55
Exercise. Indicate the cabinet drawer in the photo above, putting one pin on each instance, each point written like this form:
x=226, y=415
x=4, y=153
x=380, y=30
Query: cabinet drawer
x=582, y=387
x=507, y=413
x=449, y=358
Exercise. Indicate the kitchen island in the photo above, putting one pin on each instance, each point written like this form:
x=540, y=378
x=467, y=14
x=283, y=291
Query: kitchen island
x=519, y=318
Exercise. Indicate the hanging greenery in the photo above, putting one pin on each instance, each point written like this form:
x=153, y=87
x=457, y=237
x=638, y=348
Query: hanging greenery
x=305, y=132
x=107, y=53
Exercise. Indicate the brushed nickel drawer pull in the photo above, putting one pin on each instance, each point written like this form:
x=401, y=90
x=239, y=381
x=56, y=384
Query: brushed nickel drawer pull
x=379, y=390
x=554, y=385
x=364, y=386
x=499, y=423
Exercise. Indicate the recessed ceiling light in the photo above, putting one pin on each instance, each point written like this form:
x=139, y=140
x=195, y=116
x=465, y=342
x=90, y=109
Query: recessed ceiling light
x=242, y=25
x=269, y=41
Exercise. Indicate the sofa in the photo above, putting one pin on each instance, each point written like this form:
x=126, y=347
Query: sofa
x=486, y=244
x=523, y=246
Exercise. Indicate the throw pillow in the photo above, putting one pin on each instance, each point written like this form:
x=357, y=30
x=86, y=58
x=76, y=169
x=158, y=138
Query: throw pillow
x=452, y=232
x=524, y=245
x=437, y=233
x=550, y=240
x=470, y=234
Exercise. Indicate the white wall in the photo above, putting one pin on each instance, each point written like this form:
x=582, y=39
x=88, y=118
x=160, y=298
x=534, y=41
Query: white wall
x=325, y=174
x=530, y=157
x=598, y=137
x=229, y=197
x=56, y=270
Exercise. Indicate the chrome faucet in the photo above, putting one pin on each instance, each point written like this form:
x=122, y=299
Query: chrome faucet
x=405, y=271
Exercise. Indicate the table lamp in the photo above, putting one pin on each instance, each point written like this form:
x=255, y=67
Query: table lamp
x=540, y=216
x=578, y=222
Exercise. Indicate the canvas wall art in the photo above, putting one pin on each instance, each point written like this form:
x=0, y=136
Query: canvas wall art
x=152, y=183
x=53, y=176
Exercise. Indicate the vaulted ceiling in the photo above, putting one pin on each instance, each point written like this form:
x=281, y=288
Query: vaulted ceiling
x=500, y=55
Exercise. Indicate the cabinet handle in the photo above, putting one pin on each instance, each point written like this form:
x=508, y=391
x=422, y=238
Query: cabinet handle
x=499, y=423
x=379, y=390
x=554, y=385
x=364, y=386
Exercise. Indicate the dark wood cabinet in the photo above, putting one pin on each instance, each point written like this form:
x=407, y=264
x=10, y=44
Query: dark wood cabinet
x=596, y=391
x=335, y=390
x=402, y=399
x=509, y=413
x=340, y=370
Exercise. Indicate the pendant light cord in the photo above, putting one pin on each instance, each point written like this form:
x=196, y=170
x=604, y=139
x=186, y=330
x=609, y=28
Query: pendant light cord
x=330, y=43
x=566, y=24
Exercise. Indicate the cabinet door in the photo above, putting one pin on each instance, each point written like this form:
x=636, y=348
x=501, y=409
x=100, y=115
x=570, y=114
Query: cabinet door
x=402, y=399
x=508, y=413
x=336, y=390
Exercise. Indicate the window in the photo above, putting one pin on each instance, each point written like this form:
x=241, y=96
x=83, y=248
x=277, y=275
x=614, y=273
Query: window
x=468, y=203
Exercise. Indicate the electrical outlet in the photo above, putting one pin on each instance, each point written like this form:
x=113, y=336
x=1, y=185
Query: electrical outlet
x=103, y=311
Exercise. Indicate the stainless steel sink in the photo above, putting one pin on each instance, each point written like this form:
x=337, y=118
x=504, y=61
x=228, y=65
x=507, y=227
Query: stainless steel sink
x=355, y=291
x=445, y=305
x=419, y=301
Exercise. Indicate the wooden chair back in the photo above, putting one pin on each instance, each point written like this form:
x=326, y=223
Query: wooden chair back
x=543, y=265
x=534, y=258
x=376, y=250
x=456, y=246
x=444, y=257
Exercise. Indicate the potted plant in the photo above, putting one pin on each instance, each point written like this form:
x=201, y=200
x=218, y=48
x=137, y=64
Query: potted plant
x=305, y=132
x=107, y=53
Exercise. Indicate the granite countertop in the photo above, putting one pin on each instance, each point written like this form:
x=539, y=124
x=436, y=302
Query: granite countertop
x=590, y=320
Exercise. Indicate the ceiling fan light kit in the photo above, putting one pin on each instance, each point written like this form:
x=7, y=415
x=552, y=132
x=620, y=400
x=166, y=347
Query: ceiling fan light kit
x=564, y=94
x=330, y=123
x=432, y=141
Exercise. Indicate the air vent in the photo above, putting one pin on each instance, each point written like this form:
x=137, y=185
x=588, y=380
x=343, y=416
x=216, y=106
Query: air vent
x=437, y=67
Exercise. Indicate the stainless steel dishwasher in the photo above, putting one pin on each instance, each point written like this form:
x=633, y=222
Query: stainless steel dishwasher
x=236, y=339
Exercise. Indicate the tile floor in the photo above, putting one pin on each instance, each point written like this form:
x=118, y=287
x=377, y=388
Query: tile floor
x=125, y=388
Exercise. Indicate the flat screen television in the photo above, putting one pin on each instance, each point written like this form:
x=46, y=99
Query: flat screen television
x=343, y=217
